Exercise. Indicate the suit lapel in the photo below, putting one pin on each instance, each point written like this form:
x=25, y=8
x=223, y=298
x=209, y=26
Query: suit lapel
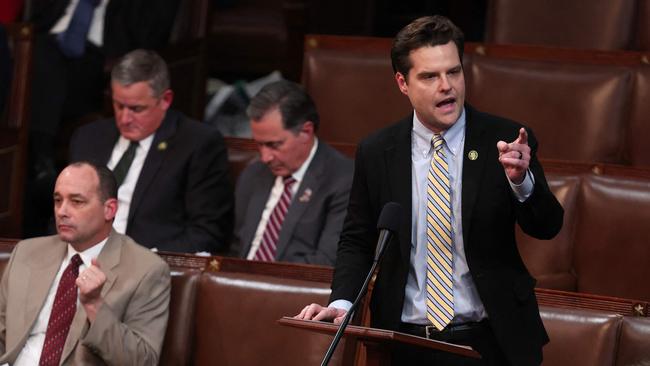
x=155, y=157
x=472, y=169
x=400, y=188
x=40, y=277
x=108, y=259
x=254, y=211
x=311, y=182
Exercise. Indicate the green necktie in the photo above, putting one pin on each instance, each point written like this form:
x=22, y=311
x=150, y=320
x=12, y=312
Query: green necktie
x=122, y=168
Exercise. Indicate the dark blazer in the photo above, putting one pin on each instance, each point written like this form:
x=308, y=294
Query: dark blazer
x=128, y=24
x=183, y=200
x=310, y=231
x=489, y=212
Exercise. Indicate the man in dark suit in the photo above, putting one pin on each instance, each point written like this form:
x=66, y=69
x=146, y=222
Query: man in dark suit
x=303, y=224
x=486, y=299
x=69, y=78
x=175, y=194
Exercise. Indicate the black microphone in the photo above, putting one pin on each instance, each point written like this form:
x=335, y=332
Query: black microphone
x=388, y=225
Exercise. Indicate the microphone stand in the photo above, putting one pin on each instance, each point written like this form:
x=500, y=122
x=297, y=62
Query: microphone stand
x=384, y=238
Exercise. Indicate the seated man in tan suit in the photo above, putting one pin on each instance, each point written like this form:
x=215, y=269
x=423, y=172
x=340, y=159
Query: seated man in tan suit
x=88, y=295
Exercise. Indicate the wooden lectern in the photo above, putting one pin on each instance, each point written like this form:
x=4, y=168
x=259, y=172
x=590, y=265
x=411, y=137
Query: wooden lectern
x=377, y=342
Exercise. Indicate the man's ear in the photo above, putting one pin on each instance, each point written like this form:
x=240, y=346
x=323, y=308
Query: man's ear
x=307, y=129
x=110, y=209
x=166, y=99
x=401, y=83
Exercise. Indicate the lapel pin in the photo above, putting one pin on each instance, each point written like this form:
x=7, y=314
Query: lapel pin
x=306, y=196
x=472, y=155
x=162, y=146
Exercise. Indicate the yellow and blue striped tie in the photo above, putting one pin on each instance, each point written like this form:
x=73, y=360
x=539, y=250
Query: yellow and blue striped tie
x=440, y=289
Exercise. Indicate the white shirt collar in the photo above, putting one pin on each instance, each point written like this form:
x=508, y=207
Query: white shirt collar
x=88, y=254
x=145, y=143
x=300, y=173
x=453, y=136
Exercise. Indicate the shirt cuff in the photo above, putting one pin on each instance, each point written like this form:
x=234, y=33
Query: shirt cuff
x=341, y=304
x=523, y=190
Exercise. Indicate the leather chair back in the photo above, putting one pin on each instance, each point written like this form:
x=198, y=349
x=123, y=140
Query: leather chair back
x=611, y=248
x=236, y=316
x=634, y=342
x=603, y=24
x=177, y=346
x=637, y=148
x=577, y=112
x=551, y=261
x=580, y=337
x=643, y=27
x=351, y=81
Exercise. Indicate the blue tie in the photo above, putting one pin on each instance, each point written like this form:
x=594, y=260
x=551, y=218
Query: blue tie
x=72, y=41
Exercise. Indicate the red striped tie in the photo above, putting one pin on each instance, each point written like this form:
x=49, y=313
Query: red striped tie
x=268, y=246
x=63, y=310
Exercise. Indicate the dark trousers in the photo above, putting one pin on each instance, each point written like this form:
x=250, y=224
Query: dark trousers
x=479, y=336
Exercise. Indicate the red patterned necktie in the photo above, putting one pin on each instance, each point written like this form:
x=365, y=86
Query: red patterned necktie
x=63, y=310
x=268, y=246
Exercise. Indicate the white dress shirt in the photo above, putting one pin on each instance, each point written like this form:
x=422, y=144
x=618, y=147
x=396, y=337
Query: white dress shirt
x=125, y=191
x=31, y=352
x=274, y=197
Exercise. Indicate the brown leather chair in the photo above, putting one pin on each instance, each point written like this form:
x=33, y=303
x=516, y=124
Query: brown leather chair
x=179, y=337
x=580, y=337
x=236, y=316
x=611, y=248
x=643, y=26
x=578, y=112
x=13, y=133
x=351, y=81
x=252, y=38
x=637, y=148
x=600, y=24
x=551, y=261
x=634, y=342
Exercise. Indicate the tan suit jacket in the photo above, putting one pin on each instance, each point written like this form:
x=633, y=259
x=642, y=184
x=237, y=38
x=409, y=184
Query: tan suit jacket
x=130, y=325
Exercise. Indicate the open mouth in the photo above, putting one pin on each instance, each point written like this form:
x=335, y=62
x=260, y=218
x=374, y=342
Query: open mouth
x=446, y=102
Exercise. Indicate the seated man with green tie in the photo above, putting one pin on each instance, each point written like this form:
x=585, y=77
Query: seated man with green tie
x=174, y=190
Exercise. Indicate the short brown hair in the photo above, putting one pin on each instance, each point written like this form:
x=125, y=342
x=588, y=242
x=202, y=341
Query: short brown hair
x=295, y=105
x=430, y=31
x=107, y=187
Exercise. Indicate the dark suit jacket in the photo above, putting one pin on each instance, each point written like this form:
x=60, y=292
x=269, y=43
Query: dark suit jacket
x=129, y=327
x=183, y=199
x=489, y=211
x=311, y=228
x=128, y=24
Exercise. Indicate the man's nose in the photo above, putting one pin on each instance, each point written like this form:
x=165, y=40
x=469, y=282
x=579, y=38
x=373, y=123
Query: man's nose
x=265, y=154
x=124, y=116
x=61, y=209
x=444, y=83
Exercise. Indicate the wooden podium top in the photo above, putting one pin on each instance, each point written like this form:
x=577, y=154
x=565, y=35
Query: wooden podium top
x=379, y=336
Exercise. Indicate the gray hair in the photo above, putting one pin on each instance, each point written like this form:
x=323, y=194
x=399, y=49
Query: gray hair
x=294, y=104
x=142, y=65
